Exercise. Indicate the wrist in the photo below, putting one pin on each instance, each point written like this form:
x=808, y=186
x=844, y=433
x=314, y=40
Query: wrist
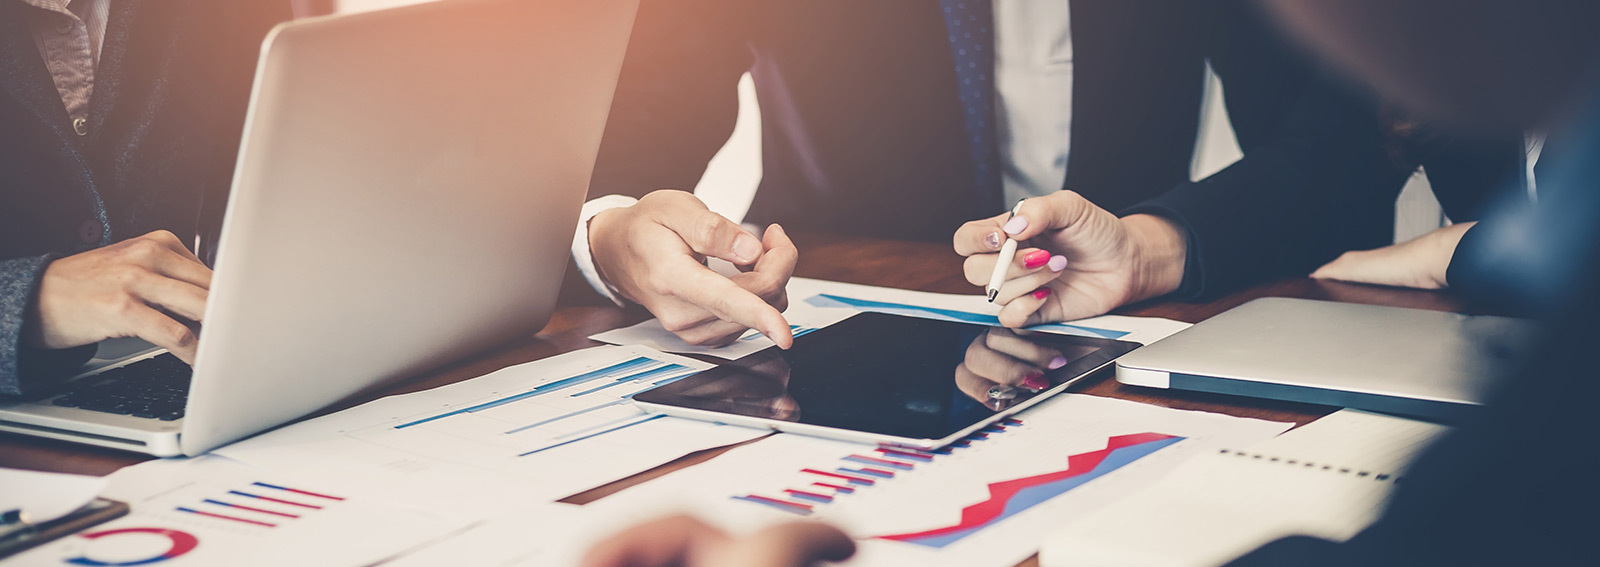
x=597, y=228
x=1159, y=252
x=590, y=243
x=33, y=329
x=1441, y=249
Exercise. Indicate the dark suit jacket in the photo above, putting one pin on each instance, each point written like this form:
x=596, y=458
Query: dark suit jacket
x=862, y=130
x=164, y=127
x=1242, y=233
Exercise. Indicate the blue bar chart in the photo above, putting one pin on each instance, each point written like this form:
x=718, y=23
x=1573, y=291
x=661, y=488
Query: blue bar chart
x=859, y=470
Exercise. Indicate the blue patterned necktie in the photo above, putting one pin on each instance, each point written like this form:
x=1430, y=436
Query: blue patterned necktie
x=970, y=24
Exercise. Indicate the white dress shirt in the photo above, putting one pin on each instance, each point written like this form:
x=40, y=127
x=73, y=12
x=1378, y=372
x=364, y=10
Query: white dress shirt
x=1033, y=80
x=1033, y=107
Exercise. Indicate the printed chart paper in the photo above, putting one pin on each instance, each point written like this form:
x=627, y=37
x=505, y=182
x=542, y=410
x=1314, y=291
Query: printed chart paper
x=212, y=511
x=1328, y=479
x=987, y=500
x=537, y=431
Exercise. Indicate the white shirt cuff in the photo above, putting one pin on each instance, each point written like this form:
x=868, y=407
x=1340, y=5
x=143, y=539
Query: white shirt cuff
x=583, y=257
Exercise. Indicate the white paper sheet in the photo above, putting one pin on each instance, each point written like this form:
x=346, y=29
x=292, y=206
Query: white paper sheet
x=211, y=511
x=987, y=504
x=537, y=431
x=547, y=536
x=44, y=496
x=1328, y=479
x=814, y=304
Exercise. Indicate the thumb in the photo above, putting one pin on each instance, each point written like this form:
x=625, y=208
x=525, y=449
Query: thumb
x=711, y=234
x=1055, y=211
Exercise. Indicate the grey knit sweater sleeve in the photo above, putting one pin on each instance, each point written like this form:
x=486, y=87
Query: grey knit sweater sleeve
x=20, y=365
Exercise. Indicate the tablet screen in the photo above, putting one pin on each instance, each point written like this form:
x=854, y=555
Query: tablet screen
x=890, y=375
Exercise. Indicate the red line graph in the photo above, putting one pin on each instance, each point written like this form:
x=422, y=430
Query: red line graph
x=1082, y=466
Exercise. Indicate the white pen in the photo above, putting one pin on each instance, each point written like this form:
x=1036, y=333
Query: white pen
x=1008, y=252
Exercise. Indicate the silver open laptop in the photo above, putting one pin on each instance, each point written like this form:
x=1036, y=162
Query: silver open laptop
x=406, y=192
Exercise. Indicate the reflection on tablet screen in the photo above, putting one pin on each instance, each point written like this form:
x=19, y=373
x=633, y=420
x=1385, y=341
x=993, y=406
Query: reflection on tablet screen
x=892, y=375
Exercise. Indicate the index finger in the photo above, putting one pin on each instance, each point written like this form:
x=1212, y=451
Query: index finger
x=729, y=302
x=1051, y=212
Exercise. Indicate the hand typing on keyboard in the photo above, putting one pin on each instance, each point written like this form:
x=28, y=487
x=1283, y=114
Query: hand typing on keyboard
x=155, y=388
x=150, y=287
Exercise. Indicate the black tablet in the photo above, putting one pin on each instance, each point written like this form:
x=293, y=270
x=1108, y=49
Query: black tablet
x=888, y=379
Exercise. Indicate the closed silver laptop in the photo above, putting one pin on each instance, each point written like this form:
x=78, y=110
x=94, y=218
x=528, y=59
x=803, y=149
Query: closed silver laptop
x=1404, y=361
x=406, y=193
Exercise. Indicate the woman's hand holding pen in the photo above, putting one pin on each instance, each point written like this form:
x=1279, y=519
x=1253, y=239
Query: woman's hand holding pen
x=1077, y=259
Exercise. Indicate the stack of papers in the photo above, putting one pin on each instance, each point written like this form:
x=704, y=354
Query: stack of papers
x=469, y=473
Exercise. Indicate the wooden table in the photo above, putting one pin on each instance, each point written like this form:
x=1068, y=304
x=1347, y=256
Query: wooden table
x=909, y=265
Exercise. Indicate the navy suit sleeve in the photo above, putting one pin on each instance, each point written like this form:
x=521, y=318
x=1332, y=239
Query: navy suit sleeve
x=21, y=366
x=677, y=96
x=1314, y=181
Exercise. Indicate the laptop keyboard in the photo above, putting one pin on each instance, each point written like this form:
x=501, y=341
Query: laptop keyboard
x=155, y=388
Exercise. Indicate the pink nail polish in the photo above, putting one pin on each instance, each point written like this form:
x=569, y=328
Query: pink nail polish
x=1041, y=293
x=1016, y=225
x=1036, y=381
x=1058, y=263
x=1058, y=362
x=1035, y=259
x=993, y=241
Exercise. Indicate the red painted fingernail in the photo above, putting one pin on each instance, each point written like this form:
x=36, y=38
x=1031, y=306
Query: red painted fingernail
x=1041, y=293
x=1036, y=381
x=1035, y=259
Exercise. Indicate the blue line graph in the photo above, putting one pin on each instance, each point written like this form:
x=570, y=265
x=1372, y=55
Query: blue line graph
x=645, y=419
x=836, y=301
x=564, y=383
x=634, y=372
x=657, y=372
x=573, y=414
